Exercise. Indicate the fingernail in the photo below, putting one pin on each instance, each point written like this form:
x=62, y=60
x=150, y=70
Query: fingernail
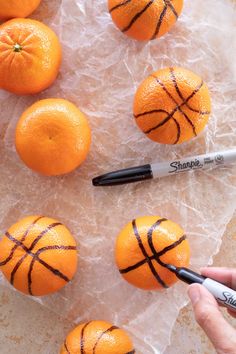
x=194, y=293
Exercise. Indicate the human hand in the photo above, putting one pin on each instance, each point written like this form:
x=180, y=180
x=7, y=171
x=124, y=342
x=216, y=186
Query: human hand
x=207, y=312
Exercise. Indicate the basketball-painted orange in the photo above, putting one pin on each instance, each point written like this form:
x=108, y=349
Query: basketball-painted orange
x=38, y=255
x=53, y=137
x=145, y=19
x=30, y=56
x=15, y=8
x=97, y=337
x=144, y=248
x=172, y=106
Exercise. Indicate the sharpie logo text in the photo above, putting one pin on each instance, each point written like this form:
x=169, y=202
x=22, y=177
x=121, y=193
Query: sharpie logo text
x=178, y=166
x=228, y=299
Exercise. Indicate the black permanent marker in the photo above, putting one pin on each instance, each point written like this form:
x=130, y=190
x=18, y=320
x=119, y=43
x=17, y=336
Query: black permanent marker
x=162, y=169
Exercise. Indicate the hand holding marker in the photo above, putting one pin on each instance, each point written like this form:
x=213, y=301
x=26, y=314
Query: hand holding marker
x=150, y=171
x=207, y=313
x=223, y=294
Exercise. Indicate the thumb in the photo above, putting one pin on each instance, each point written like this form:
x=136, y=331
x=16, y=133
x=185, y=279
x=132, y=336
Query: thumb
x=209, y=317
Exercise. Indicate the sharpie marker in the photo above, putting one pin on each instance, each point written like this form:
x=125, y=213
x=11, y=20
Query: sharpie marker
x=224, y=295
x=157, y=170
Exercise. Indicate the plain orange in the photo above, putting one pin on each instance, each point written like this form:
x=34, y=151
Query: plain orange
x=172, y=105
x=53, y=137
x=137, y=252
x=144, y=19
x=30, y=56
x=98, y=337
x=17, y=8
x=38, y=255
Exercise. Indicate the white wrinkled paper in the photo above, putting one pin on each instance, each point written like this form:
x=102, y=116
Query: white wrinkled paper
x=101, y=70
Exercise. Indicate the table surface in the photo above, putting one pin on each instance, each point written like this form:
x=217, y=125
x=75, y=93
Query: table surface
x=26, y=327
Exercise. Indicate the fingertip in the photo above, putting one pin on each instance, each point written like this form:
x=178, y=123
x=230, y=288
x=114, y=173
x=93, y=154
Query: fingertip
x=204, y=269
x=194, y=293
x=198, y=293
x=223, y=275
x=211, y=269
x=207, y=270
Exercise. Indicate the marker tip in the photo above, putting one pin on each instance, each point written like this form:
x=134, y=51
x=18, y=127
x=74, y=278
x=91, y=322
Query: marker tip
x=171, y=267
x=95, y=181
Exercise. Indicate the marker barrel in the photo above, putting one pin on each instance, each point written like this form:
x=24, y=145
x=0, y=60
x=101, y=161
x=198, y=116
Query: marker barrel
x=222, y=293
x=193, y=163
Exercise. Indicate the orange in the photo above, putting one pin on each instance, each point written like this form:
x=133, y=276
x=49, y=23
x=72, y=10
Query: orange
x=16, y=8
x=172, y=105
x=97, y=337
x=144, y=19
x=53, y=137
x=144, y=248
x=30, y=56
x=38, y=255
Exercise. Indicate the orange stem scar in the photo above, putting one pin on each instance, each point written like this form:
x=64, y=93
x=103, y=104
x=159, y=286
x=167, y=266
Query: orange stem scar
x=17, y=48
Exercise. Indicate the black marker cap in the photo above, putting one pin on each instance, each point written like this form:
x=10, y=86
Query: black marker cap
x=188, y=276
x=128, y=175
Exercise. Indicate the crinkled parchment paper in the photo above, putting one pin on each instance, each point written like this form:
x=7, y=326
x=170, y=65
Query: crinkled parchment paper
x=100, y=73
